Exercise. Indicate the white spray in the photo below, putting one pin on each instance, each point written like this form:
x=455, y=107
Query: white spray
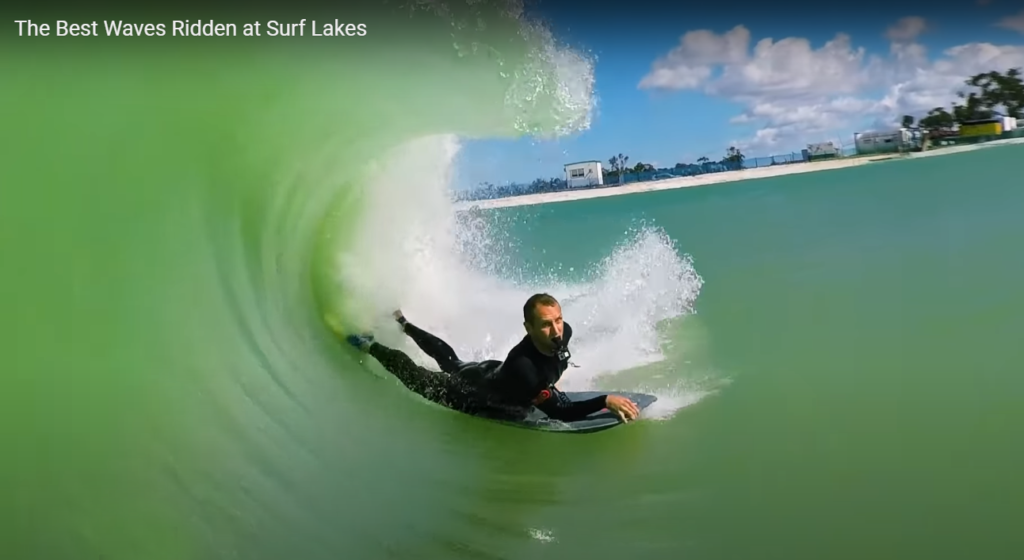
x=411, y=253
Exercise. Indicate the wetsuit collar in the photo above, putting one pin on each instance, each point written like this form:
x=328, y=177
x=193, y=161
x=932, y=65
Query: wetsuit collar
x=539, y=351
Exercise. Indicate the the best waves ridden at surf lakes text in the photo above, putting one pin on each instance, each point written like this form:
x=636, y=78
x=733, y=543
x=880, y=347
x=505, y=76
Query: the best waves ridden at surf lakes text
x=188, y=28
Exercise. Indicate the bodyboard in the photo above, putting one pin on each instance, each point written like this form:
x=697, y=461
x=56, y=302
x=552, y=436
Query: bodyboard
x=596, y=422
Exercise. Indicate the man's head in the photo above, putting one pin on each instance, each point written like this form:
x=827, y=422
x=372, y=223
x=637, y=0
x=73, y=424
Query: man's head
x=542, y=317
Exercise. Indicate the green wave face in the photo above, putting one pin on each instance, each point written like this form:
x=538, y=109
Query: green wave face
x=171, y=211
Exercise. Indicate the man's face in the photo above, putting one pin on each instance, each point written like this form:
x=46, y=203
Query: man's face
x=546, y=325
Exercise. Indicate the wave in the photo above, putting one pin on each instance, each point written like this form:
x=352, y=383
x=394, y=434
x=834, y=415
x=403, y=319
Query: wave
x=177, y=217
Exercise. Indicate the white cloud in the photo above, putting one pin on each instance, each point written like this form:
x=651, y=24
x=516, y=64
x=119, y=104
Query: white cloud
x=799, y=94
x=1015, y=22
x=689, y=64
x=791, y=68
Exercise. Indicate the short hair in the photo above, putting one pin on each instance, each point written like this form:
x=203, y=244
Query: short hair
x=530, y=308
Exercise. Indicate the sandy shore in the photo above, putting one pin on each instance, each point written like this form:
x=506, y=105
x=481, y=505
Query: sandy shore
x=716, y=178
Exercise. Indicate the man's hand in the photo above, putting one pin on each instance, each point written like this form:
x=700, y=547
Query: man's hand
x=625, y=408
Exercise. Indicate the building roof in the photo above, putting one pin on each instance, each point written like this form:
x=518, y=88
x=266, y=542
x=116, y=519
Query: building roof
x=879, y=133
x=581, y=162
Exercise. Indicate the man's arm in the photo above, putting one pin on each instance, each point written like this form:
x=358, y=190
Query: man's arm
x=559, y=407
x=524, y=385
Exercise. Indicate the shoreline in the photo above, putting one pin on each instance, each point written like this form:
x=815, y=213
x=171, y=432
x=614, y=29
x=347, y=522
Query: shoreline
x=717, y=178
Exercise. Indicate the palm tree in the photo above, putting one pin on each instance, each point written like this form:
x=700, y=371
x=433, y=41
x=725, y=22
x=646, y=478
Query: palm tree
x=618, y=164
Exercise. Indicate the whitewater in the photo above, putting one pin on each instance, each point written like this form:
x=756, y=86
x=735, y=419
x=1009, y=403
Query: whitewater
x=410, y=251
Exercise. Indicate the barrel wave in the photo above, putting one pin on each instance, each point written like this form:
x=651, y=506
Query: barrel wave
x=178, y=218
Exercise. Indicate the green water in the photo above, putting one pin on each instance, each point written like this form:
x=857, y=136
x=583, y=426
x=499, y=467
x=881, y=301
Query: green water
x=169, y=218
x=869, y=320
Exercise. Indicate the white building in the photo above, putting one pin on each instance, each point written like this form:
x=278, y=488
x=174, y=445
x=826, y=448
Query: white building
x=883, y=142
x=820, y=151
x=583, y=174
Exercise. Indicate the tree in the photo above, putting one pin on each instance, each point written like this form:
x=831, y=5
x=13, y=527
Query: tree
x=908, y=121
x=618, y=164
x=938, y=119
x=734, y=155
x=1003, y=93
x=973, y=109
x=994, y=93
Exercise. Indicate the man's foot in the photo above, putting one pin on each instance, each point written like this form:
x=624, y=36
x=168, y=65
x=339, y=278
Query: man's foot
x=399, y=317
x=360, y=341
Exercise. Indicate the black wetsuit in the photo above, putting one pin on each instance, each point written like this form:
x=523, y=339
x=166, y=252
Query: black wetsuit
x=503, y=390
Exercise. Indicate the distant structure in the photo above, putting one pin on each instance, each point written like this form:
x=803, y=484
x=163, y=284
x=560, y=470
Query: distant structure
x=984, y=127
x=820, y=151
x=583, y=174
x=884, y=142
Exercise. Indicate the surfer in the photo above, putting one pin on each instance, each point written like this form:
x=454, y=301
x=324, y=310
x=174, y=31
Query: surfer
x=506, y=389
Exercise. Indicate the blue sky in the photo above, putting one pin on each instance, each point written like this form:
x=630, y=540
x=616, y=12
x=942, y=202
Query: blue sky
x=795, y=90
